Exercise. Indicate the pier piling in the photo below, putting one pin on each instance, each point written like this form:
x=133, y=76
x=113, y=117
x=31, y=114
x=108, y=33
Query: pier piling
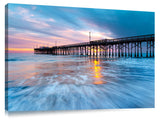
x=133, y=46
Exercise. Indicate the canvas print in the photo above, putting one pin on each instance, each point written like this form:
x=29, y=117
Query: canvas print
x=69, y=58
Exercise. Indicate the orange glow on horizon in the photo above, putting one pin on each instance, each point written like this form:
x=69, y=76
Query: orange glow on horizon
x=21, y=50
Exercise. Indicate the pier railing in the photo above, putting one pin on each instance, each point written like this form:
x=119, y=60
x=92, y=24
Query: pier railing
x=119, y=47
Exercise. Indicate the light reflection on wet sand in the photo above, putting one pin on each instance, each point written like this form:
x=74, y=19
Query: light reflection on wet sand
x=97, y=73
x=72, y=83
x=31, y=73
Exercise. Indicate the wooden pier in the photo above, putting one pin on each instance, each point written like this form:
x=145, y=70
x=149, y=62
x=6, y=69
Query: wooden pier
x=135, y=46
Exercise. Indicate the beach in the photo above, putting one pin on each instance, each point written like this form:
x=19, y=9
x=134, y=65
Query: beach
x=49, y=82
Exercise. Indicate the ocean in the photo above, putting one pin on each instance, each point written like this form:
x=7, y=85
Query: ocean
x=39, y=82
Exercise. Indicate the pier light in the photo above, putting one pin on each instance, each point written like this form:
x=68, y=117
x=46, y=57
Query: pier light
x=89, y=36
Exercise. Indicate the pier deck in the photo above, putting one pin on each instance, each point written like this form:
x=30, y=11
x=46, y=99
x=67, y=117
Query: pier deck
x=134, y=46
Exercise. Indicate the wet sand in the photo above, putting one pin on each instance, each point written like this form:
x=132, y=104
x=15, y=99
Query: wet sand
x=73, y=83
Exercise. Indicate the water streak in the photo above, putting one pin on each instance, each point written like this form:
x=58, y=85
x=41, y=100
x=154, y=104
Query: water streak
x=46, y=82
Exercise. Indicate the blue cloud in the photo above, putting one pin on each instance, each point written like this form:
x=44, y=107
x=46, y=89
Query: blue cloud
x=120, y=23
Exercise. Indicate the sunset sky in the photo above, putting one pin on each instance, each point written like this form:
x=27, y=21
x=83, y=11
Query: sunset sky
x=32, y=26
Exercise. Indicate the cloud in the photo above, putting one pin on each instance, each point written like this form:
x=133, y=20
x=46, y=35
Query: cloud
x=22, y=11
x=71, y=25
x=34, y=7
